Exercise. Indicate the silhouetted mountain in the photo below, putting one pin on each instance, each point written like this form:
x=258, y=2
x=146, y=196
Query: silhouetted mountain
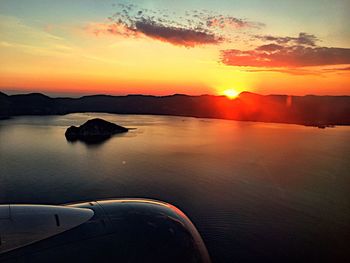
x=4, y=106
x=306, y=110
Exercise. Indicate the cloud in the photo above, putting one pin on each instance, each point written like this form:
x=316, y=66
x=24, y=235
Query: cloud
x=337, y=69
x=110, y=29
x=19, y=37
x=291, y=71
x=176, y=35
x=193, y=28
x=346, y=68
x=300, y=71
x=285, y=55
x=230, y=22
x=302, y=39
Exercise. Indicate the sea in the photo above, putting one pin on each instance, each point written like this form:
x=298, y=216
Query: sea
x=257, y=192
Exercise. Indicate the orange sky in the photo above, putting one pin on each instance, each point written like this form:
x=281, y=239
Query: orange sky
x=128, y=54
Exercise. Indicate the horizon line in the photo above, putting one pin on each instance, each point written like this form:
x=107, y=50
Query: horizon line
x=81, y=95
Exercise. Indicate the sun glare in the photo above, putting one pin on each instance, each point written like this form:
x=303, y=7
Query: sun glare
x=230, y=93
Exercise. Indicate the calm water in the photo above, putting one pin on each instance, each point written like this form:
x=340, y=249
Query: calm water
x=256, y=192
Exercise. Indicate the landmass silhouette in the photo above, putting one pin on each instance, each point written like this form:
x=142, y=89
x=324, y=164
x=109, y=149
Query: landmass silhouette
x=94, y=131
x=320, y=111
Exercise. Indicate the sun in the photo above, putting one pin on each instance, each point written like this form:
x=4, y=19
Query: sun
x=230, y=93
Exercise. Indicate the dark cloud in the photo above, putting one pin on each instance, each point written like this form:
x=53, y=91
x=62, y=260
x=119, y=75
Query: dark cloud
x=189, y=29
x=287, y=55
x=274, y=55
x=175, y=35
x=269, y=47
x=302, y=39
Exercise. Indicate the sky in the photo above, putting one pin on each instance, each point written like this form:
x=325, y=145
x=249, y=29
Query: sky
x=163, y=47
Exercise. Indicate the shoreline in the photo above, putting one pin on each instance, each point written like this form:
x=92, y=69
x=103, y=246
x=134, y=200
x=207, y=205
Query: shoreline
x=317, y=111
x=316, y=125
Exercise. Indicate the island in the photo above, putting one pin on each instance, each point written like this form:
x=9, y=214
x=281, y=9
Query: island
x=94, y=131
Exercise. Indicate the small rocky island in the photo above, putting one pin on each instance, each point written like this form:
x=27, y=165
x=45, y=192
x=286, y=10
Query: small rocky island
x=94, y=131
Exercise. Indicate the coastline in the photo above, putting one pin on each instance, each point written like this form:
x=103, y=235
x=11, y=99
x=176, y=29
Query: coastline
x=319, y=126
x=327, y=111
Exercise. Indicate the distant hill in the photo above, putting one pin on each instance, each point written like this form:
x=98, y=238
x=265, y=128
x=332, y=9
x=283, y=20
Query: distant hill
x=307, y=110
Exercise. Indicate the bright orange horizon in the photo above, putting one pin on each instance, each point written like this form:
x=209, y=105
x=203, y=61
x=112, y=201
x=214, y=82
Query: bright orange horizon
x=139, y=47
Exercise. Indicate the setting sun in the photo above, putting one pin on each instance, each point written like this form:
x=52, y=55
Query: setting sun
x=230, y=93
